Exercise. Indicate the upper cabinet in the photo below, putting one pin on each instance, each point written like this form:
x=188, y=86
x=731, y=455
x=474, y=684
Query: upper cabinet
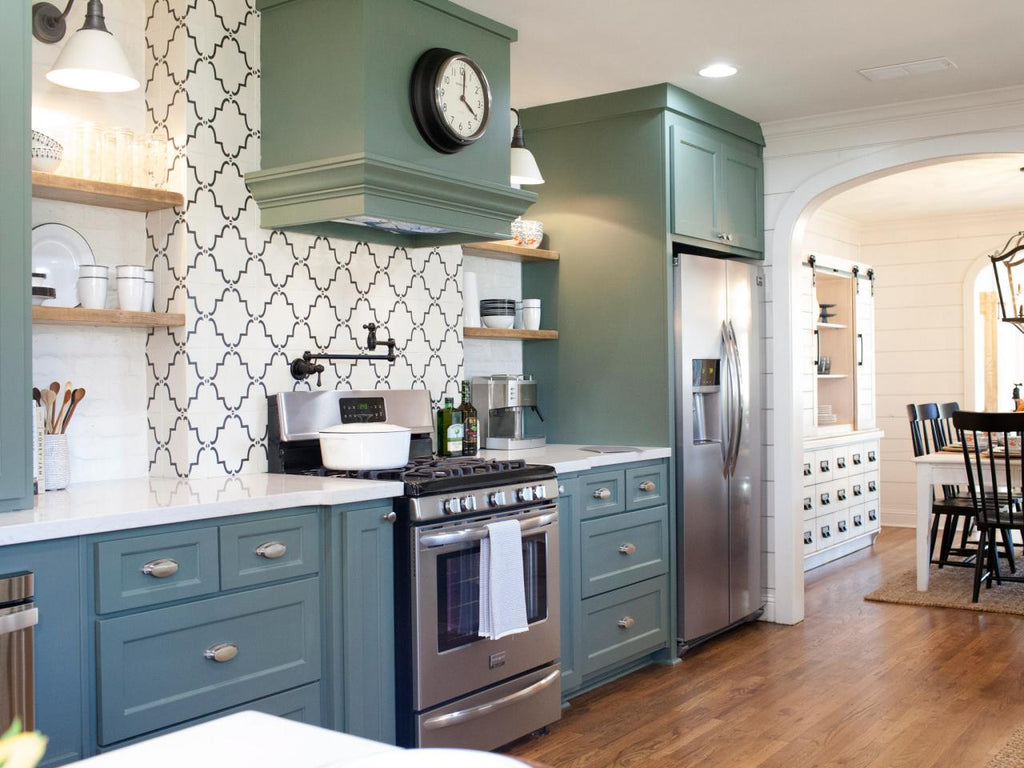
x=717, y=186
x=344, y=151
x=15, y=247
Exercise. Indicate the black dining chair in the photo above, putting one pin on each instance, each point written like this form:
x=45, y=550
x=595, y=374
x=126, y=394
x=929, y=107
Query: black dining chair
x=991, y=476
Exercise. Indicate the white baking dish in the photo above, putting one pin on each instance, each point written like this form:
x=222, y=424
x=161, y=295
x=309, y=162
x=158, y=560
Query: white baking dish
x=365, y=446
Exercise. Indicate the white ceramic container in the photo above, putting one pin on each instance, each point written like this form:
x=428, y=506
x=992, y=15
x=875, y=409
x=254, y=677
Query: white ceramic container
x=365, y=446
x=92, y=292
x=130, y=293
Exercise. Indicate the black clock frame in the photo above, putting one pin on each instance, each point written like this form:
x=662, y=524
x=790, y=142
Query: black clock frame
x=423, y=96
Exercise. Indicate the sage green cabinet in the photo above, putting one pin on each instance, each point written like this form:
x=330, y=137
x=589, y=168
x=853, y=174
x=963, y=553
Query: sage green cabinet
x=615, y=566
x=717, y=188
x=15, y=257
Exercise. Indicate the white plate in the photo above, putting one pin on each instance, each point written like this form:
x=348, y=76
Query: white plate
x=435, y=758
x=58, y=250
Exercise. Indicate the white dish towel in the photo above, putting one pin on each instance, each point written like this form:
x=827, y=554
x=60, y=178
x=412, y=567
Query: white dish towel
x=502, y=587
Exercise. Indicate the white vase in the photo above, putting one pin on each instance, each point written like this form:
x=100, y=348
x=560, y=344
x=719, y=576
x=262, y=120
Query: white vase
x=56, y=462
x=470, y=301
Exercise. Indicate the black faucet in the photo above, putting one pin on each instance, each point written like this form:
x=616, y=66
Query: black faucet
x=304, y=367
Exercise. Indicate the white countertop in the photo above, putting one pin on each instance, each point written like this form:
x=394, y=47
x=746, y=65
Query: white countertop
x=113, y=505
x=572, y=458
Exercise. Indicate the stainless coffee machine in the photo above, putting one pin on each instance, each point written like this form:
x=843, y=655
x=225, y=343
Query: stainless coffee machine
x=501, y=402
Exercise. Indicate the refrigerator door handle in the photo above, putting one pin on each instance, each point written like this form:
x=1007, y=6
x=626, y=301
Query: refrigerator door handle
x=738, y=403
x=725, y=410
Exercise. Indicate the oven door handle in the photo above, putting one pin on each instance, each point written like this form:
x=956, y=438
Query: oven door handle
x=476, y=534
x=464, y=715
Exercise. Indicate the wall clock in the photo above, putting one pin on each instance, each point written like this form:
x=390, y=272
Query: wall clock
x=451, y=100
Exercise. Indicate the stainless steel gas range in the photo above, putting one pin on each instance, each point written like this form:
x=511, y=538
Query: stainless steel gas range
x=454, y=688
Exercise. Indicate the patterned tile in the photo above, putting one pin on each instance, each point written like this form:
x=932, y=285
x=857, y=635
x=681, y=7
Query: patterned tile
x=254, y=299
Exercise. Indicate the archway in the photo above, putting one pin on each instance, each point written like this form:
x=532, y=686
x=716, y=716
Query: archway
x=784, y=246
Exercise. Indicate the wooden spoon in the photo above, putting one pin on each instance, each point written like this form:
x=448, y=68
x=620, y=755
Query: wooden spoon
x=49, y=399
x=37, y=396
x=76, y=398
x=59, y=419
x=55, y=387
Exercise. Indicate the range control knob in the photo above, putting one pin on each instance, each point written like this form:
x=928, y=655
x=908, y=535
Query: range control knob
x=539, y=492
x=468, y=503
x=452, y=507
x=496, y=499
x=525, y=494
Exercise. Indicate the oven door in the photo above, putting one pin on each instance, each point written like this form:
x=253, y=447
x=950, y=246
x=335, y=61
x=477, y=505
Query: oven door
x=451, y=658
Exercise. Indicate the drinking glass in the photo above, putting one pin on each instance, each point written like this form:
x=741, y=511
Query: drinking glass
x=117, y=155
x=155, y=153
x=84, y=151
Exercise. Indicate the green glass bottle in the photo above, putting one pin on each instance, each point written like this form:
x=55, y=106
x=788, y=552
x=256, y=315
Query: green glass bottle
x=449, y=429
x=470, y=423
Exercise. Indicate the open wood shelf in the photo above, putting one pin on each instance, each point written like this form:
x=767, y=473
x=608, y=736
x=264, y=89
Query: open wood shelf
x=51, y=186
x=509, y=333
x=833, y=375
x=831, y=325
x=509, y=251
x=116, y=317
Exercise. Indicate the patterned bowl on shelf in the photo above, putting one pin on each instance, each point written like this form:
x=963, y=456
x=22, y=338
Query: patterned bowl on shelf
x=46, y=153
x=527, y=233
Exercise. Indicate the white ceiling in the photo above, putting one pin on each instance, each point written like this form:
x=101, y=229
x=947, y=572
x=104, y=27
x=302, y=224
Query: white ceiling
x=974, y=185
x=796, y=57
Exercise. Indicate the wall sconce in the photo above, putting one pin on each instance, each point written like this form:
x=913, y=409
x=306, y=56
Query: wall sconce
x=1010, y=257
x=524, y=166
x=92, y=59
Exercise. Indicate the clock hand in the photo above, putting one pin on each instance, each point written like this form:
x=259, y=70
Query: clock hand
x=463, y=100
x=463, y=84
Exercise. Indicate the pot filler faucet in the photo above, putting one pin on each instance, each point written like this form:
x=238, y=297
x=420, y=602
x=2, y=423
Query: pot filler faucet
x=304, y=367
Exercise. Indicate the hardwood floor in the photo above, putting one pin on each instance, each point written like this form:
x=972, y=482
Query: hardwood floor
x=856, y=684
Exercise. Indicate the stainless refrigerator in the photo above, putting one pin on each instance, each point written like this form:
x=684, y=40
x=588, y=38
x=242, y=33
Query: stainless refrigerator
x=718, y=384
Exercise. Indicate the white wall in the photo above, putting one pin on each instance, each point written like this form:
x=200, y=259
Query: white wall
x=806, y=161
x=496, y=279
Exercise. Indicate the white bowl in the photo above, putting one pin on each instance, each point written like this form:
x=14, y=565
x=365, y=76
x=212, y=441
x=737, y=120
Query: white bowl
x=365, y=446
x=498, y=321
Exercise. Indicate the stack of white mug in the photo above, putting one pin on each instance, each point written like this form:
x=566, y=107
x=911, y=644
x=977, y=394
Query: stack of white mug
x=134, y=287
x=531, y=314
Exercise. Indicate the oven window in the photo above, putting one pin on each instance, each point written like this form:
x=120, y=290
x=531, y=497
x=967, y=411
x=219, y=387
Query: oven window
x=458, y=591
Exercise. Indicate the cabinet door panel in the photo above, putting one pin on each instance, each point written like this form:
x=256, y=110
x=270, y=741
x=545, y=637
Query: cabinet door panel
x=269, y=550
x=742, y=200
x=695, y=184
x=623, y=624
x=569, y=573
x=623, y=549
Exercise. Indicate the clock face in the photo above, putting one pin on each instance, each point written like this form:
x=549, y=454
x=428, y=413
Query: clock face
x=450, y=98
x=462, y=98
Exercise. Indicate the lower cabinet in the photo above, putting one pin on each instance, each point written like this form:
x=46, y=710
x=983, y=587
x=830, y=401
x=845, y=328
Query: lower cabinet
x=146, y=631
x=615, y=549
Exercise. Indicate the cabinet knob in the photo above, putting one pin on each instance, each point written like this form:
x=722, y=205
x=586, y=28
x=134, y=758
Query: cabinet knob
x=271, y=550
x=390, y=517
x=647, y=486
x=161, y=568
x=221, y=652
x=628, y=549
x=602, y=493
x=627, y=622
x=561, y=489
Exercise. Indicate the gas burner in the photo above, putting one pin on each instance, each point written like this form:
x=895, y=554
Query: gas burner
x=438, y=468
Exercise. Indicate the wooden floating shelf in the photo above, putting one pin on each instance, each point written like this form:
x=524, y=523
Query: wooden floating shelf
x=508, y=251
x=51, y=186
x=508, y=333
x=832, y=375
x=114, y=317
x=831, y=325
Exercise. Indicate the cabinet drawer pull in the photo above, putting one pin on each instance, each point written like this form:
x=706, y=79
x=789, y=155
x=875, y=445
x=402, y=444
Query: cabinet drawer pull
x=390, y=517
x=647, y=486
x=221, y=652
x=627, y=622
x=628, y=549
x=808, y=537
x=271, y=550
x=823, y=466
x=856, y=459
x=808, y=504
x=161, y=568
x=603, y=494
x=841, y=462
x=561, y=489
x=807, y=469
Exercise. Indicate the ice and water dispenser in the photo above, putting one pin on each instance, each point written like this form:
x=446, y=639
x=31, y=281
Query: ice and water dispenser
x=706, y=395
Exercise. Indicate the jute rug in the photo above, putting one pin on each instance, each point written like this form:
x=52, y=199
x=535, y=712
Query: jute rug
x=951, y=588
x=1011, y=755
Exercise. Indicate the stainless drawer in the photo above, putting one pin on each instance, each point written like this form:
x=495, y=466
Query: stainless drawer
x=625, y=624
x=623, y=549
x=165, y=666
x=602, y=493
x=253, y=553
x=158, y=568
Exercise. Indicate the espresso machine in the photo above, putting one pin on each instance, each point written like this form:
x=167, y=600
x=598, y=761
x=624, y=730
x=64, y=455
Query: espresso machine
x=501, y=402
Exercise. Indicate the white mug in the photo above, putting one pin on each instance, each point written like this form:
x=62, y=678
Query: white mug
x=92, y=292
x=531, y=318
x=147, y=293
x=130, y=293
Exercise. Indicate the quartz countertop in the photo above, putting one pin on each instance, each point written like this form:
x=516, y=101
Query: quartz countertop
x=113, y=505
x=575, y=458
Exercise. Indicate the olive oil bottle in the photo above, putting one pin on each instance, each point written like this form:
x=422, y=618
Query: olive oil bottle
x=449, y=429
x=470, y=423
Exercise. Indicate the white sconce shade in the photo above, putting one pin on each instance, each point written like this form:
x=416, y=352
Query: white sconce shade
x=524, y=168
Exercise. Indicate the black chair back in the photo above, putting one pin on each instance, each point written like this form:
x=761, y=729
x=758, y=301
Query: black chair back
x=992, y=472
x=923, y=423
x=946, y=411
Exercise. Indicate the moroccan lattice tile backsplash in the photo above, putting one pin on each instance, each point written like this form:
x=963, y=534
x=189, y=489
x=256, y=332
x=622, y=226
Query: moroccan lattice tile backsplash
x=254, y=299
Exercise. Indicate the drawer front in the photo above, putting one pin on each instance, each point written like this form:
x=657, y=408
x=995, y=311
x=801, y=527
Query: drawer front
x=858, y=489
x=623, y=549
x=871, y=481
x=843, y=529
x=807, y=469
x=824, y=463
x=858, y=458
x=153, y=666
x=624, y=624
x=807, y=504
x=154, y=569
x=257, y=552
x=841, y=461
x=646, y=486
x=871, y=455
x=872, y=517
x=826, y=531
x=858, y=519
x=810, y=536
x=841, y=493
x=602, y=493
x=824, y=499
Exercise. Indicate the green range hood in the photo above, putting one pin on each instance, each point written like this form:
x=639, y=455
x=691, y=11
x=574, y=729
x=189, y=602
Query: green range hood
x=341, y=151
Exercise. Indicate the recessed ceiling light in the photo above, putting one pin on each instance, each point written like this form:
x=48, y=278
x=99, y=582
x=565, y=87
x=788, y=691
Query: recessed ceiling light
x=718, y=70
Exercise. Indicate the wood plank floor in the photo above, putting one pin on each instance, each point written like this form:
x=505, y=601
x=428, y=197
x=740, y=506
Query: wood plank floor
x=856, y=684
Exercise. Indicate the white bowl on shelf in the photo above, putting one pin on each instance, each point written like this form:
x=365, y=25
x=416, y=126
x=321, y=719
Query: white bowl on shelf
x=498, y=321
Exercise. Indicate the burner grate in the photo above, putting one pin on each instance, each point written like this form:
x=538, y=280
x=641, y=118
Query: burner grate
x=430, y=468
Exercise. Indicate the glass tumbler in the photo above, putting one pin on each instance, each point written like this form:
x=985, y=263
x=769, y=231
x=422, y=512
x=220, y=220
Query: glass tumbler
x=155, y=153
x=84, y=151
x=118, y=162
